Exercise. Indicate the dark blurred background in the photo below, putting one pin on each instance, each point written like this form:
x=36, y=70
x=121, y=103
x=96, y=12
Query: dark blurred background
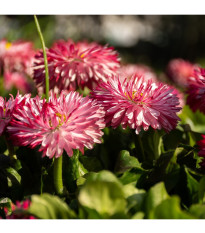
x=149, y=39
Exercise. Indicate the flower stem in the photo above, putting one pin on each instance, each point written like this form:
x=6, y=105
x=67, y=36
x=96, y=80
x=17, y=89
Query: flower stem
x=45, y=57
x=58, y=181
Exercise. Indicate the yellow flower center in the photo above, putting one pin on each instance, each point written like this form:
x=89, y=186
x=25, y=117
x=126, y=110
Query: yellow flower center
x=60, y=121
x=8, y=45
x=4, y=111
x=82, y=55
x=133, y=96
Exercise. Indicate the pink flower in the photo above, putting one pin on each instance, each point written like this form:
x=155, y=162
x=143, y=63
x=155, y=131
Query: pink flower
x=17, y=56
x=68, y=122
x=17, y=80
x=127, y=71
x=75, y=64
x=179, y=71
x=6, y=111
x=180, y=95
x=19, y=206
x=138, y=103
x=201, y=153
x=196, y=91
x=15, y=64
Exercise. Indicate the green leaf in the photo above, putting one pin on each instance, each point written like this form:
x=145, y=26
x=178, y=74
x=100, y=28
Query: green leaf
x=138, y=215
x=14, y=173
x=125, y=162
x=102, y=176
x=72, y=170
x=47, y=206
x=152, y=143
x=154, y=197
x=135, y=198
x=102, y=195
x=158, y=173
x=170, y=209
x=202, y=190
x=185, y=156
x=198, y=211
x=132, y=176
x=192, y=185
x=196, y=120
x=106, y=198
x=90, y=163
x=182, y=182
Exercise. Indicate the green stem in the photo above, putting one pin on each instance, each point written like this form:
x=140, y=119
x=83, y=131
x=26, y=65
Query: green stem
x=58, y=181
x=45, y=57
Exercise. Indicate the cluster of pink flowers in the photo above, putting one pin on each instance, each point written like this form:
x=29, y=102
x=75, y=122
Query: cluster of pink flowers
x=20, y=215
x=129, y=96
x=138, y=103
x=73, y=65
x=16, y=63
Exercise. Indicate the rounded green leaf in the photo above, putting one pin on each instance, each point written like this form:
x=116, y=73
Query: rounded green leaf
x=170, y=209
x=154, y=197
x=102, y=195
x=47, y=206
x=126, y=162
x=107, y=198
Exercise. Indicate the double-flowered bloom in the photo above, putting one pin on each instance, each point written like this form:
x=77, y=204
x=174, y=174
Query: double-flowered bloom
x=138, y=103
x=72, y=65
x=64, y=123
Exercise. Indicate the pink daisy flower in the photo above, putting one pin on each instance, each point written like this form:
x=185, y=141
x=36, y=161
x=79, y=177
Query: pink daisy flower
x=196, y=91
x=16, y=63
x=17, y=56
x=65, y=123
x=179, y=71
x=127, y=71
x=17, y=80
x=75, y=64
x=201, y=153
x=180, y=95
x=6, y=111
x=138, y=103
